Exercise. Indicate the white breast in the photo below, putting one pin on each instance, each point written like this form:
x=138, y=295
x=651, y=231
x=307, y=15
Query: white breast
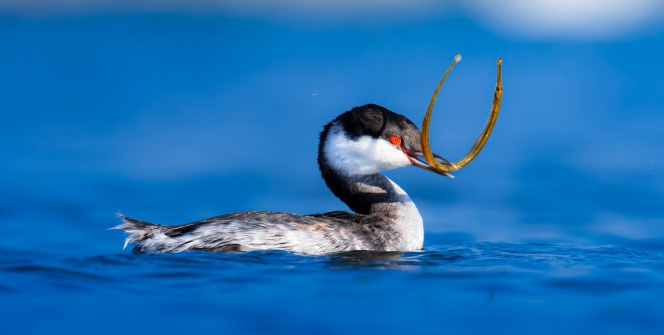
x=408, y=221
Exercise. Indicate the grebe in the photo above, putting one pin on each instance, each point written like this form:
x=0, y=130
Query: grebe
x=353, y=149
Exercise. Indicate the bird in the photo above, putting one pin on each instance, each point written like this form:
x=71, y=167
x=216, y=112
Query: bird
x=353, y=150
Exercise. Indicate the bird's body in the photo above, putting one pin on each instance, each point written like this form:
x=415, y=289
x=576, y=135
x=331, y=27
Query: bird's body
x=354, y=148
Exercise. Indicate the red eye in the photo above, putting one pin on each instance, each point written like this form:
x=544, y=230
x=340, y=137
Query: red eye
x=395, y=139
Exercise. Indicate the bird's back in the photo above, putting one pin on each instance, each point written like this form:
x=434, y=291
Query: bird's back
x=261, y=230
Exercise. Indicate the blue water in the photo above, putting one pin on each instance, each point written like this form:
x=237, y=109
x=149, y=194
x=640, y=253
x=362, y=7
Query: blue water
x=459, y=288
x=558, y=226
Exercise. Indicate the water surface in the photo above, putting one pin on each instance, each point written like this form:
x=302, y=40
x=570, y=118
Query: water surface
x=470, y=287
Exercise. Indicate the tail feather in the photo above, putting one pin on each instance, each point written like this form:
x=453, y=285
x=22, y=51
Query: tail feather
x=138, y=230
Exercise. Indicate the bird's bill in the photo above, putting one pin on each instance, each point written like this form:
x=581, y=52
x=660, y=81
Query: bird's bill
x=417, y=159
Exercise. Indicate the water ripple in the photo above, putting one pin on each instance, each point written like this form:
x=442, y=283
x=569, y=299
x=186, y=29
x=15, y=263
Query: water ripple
x=583, y=268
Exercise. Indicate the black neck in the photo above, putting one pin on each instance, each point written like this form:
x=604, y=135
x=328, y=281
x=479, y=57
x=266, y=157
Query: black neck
x=364, y=194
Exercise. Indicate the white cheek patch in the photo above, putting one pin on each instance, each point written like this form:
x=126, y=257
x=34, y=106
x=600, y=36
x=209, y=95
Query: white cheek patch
x=366, y=155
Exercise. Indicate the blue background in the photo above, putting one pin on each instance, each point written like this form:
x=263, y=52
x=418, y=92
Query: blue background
x=177, y=115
